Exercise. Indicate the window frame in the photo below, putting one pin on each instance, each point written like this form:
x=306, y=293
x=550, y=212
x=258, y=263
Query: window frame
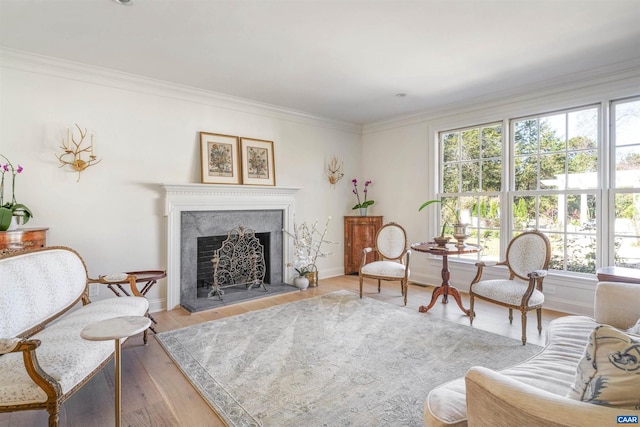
x=604, y=192
x=612, y=190
x=479, y=193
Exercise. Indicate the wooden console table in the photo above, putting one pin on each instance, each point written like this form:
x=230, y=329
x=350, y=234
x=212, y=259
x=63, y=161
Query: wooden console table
x=22, y=238
x=618, y=274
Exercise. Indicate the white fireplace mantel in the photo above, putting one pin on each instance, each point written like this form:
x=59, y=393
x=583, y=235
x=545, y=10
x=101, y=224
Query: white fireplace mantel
x=208, y=197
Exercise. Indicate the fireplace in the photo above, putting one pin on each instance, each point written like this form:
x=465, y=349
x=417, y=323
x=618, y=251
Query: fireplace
x=199, y=225
x=196, y=211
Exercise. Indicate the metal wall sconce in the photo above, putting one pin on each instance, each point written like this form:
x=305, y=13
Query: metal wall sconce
x=335, y=170
x=73, y=151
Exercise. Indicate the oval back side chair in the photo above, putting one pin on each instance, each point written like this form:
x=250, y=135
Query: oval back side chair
x=393, y=256
x=527, y=259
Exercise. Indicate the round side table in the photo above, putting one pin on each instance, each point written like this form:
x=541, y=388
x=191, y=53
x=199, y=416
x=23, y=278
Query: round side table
x=445, y=289
x=116, y=328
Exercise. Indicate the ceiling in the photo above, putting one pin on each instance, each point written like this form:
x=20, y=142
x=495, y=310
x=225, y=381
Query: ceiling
x=340, y=59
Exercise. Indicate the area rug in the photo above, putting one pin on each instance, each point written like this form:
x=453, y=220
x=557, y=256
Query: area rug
x=332, y=360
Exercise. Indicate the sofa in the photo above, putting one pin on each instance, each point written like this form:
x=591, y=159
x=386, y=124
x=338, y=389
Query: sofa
x=548, y=389
x=44, y=301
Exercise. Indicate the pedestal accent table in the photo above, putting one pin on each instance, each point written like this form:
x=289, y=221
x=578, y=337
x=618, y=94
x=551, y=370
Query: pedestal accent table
x=445, y=289
x=116, y=328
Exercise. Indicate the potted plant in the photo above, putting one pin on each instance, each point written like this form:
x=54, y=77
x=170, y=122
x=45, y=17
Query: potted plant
x=361, y=205
x=11, y=210
x=459, y=229
x=307, y=243
x=302, y=281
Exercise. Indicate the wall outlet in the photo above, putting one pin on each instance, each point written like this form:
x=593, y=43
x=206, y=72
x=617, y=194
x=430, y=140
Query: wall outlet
x=549, y=289
x=93, y=290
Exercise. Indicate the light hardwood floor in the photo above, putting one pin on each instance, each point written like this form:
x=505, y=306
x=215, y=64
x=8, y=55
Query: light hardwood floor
x=155, y=393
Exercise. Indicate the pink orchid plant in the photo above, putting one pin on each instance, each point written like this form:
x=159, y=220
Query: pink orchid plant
x=11, y=208
x=366, y=202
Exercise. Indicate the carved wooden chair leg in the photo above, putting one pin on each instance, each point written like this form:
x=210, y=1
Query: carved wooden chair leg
x=539, y=313
x=405, y=288
x=524, y=327
x=378, y=285
x=511, y=316
x=360, y=286
x=54, y=415
x=472, y=313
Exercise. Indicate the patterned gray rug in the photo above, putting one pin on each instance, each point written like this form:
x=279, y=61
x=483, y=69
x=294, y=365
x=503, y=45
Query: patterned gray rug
x=332, y=360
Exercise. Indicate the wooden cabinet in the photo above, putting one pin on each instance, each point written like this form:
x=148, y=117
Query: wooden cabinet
x=359, y=233
x=24, y=238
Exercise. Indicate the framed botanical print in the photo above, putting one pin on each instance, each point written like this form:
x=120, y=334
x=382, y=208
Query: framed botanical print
x=220, y=159
x=257, y=162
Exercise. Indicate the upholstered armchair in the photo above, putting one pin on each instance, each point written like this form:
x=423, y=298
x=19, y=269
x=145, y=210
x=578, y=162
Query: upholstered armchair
x=392, y=258
x=527, y=260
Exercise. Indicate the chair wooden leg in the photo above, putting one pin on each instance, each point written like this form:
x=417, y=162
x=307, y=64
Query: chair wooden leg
x=360, y=286
x=511, y=316
x=472, y=313
x=54, y=414
x=405, y=289
x=539, y=313
x=524, y=327
x=378, y=285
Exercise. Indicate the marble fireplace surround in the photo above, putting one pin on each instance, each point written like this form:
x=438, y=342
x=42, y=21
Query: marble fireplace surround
x=181, y=198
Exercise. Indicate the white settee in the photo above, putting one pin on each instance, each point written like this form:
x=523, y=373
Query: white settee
x=533, y=393
x=43, y=359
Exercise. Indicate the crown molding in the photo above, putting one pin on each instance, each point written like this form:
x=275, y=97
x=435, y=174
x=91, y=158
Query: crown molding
x=60, y=68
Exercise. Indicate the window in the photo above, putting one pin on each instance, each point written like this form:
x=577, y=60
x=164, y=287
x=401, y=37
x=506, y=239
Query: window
x=625, y=183
x=555, y=183
x=472, y=181
x=557, y=172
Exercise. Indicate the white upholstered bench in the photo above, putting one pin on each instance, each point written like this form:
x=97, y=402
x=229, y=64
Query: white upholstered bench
x=45, y=304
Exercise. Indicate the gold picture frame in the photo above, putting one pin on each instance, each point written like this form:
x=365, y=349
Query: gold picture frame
x=258, y=166
x=220, y=159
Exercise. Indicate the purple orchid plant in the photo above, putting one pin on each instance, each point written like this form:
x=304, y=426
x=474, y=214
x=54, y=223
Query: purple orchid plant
x=366, y=202
x=11, y=208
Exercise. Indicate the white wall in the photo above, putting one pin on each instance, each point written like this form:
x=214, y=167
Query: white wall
x=399, y=155
x=146, y=133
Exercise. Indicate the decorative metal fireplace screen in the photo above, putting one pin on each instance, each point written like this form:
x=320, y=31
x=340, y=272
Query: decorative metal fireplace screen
x=239, y=262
